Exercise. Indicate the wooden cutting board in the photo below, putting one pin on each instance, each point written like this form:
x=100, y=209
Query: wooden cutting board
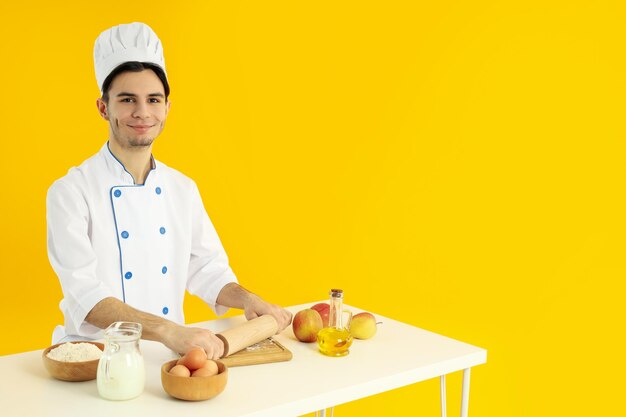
x=266, y=351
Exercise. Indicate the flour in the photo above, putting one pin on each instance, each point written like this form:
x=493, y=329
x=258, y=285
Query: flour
x=75, y=352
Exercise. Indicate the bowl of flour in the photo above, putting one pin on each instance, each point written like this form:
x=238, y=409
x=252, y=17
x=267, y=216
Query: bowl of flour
x=73, y=361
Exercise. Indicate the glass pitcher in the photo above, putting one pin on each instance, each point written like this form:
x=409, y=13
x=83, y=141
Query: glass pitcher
x=335, y=340
x=121, y=373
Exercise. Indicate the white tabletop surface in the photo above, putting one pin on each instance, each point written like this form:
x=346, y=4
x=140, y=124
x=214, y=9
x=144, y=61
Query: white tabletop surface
x=398, y=355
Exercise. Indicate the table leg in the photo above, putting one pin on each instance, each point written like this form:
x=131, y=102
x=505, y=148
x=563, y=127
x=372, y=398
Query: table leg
x=442, y=379
x=322, y=413
x=465, y=394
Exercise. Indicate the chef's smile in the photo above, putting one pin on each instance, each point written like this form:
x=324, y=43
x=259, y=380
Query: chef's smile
x=141, y=128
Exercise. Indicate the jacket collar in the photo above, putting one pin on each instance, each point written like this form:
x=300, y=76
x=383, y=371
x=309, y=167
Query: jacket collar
x=118, y=170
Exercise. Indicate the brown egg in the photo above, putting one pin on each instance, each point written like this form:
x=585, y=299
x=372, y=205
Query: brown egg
x=209, y=369
x=180, y=370
x=193, y=359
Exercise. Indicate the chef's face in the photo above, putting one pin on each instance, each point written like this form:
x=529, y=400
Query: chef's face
x=136, y=109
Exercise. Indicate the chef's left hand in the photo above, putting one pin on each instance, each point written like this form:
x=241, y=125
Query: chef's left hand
x=254, y=307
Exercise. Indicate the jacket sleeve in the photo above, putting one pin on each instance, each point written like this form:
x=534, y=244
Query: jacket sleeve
x=72, y=256
x=209, y=270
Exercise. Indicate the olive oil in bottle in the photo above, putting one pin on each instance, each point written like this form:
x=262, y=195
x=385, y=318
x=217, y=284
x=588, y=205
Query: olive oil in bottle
x=335, y=340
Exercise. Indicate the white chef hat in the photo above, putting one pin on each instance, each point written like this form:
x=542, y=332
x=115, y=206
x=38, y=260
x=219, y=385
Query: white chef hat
x=123, y=43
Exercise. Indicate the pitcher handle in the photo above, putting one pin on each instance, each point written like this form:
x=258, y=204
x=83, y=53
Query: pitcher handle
x=349, y=313
x=107, y=360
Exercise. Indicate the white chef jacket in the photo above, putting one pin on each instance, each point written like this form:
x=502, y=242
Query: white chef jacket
x=143, y=244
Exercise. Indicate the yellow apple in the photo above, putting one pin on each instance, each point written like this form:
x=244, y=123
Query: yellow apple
x=363, y=326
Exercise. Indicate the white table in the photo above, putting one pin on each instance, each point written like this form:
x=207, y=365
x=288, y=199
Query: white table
x=398, y=355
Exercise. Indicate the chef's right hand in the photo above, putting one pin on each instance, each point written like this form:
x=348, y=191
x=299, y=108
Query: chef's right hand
x=182, y=339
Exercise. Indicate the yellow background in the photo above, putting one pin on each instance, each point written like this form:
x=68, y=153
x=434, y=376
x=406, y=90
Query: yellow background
x=456, y=165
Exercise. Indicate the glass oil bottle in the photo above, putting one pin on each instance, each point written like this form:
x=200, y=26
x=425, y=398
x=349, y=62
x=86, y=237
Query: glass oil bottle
x=335, y=340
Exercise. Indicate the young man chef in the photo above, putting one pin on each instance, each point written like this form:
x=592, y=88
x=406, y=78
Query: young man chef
x=127, y=235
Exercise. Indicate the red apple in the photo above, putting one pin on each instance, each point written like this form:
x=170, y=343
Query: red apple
x=324, y=310
x=306, y=324
x=363, y=325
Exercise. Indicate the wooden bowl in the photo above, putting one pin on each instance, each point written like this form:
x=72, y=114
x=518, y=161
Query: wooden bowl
x=71, y=371
x=193, y=388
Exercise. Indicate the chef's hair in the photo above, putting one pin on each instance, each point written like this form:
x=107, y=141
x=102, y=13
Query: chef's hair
x=134, y=66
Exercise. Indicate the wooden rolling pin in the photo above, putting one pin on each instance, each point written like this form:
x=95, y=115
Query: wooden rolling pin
x=247, y=334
